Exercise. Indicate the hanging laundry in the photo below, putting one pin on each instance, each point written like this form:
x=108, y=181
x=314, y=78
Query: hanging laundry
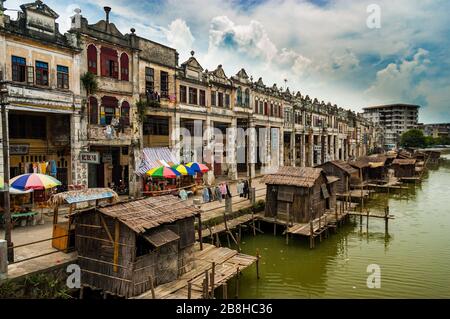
x=183, y=194
x=205, y=195
x=223, y=190
x=42, y=167
x=53, y=168
x=210, y=194
x=218, y=193
x=240, y=189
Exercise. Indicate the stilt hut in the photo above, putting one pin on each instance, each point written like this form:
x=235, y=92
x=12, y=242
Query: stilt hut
x=126, y=247
x=432, y=156
x=370, y=168
x=299, y=194
x=343, y=171
x=404, y=167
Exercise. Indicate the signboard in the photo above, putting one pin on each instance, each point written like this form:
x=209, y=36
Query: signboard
x=318, y=148
x=19, y=149
x=90, y=157
x=78, y=198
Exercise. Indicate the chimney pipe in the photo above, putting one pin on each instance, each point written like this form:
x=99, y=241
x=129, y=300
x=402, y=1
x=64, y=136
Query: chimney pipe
x=107, y=11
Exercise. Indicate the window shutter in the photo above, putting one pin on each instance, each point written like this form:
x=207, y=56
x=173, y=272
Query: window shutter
x=30, y=74
x=92, y=59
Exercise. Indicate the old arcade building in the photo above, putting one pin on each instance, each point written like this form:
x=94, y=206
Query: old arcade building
x=157, y=66
x=40, y=69
x=111, y=129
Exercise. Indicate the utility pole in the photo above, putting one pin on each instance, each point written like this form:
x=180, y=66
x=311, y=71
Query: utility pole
x=6, y=209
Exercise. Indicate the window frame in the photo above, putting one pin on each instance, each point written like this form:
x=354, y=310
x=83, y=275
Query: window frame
x=213, y=98
x=124, y=71
x=42, y=73
x=164, y=88
x=62, y=77
x=93, y=113
x=220, y=99
x=149, y=79
x=193, y=96
x=183, y=94
x=202, y=97
x=19, y=70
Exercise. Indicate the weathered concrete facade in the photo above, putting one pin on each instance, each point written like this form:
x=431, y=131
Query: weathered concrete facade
x=144, y=98
x=40, y=69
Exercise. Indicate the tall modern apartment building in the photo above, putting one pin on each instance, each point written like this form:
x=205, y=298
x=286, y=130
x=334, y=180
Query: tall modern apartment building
x=395, y=119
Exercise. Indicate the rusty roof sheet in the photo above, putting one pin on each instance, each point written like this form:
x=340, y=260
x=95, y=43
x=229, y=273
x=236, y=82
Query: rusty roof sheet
x=346, y=167
x=143, y=214
x=160, y=237
x=404, y=161
x=332, y=179
x=294, y=176
x=365, y=161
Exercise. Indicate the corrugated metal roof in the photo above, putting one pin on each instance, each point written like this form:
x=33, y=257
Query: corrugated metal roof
x=295, y=176
x=160, y=237
x=143, y=214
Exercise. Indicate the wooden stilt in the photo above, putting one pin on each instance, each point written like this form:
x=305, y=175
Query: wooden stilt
x=224, y=291
x=287, y=224
x=206, y=284
x=189, y=290
x=217, y=240
x=213, y=274
x=200, y=237
x=237, y=282
x=152, y=288
x=257, y=263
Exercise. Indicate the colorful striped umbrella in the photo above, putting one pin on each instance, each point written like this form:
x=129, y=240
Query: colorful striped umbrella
x=183, y=169
x=197, y=167
x=162, y=171
x=34, y=181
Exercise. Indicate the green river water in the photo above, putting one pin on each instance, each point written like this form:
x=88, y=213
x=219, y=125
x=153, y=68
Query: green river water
x=414, y=258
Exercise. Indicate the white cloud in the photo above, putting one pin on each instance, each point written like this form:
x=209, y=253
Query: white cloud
x=395, y=83
x=179, y=36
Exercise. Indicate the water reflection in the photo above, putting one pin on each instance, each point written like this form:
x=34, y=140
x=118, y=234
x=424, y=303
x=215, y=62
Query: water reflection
x=414, y=254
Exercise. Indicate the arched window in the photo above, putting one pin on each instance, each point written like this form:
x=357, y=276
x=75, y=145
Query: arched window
x=125, y=113
x=92, y=59
x=239, y=96
x=93, y=110
x=109, y=106
x=247, y=97
x=109, y=62
x=124, y=67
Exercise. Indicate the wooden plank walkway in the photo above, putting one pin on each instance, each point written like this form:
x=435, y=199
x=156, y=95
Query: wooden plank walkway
x=227, y=263
x=232, y=223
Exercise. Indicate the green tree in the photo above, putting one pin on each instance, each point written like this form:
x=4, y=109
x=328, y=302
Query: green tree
x=413, y=138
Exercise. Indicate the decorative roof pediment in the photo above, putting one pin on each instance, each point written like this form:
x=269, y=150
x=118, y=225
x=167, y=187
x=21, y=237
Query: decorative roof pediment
x=39, y=7
x=242, y=74
x=110, y=28
x=220, y=73
x=192, y=63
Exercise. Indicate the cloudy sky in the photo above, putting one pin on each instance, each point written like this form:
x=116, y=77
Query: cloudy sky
x=324, y=48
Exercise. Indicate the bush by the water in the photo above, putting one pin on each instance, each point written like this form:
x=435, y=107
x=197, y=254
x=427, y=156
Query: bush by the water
x=37, y=286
